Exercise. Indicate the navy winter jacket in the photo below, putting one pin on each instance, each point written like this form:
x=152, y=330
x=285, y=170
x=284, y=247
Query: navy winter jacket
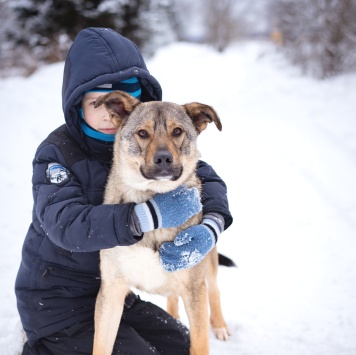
x=58, y=278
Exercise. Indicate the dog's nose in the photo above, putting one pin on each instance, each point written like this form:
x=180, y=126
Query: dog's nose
x=163, y=159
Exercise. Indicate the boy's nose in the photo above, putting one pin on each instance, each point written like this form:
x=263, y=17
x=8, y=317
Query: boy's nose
x=105, y=114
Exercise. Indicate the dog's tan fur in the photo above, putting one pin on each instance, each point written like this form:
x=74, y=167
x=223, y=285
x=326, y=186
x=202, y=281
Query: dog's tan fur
x=144, y=129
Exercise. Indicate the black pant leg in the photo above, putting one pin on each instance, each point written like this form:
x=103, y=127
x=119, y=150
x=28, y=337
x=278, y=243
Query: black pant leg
x=168, y=335
x=128, y=342
x=77, y=339
x=145, y=329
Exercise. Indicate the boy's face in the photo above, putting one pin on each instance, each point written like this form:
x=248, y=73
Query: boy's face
x=97, y=118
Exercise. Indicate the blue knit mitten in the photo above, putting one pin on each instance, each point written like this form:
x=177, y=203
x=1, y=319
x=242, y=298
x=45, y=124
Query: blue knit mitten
x=168, y=210
x=190, y=246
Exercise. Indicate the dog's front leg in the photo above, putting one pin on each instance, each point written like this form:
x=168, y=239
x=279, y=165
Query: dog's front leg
x=108, y=311
x=195, y=301
x=109, y=303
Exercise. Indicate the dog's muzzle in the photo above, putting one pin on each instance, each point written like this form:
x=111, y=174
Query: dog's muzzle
x=163, y=167
x=163, y=162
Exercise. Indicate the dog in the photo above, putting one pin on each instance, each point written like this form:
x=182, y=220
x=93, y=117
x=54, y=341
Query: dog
x=173, y=129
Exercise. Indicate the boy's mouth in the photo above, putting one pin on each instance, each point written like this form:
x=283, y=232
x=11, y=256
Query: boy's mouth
x=108, y=130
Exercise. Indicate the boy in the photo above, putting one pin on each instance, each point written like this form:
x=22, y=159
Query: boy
x=59, y=277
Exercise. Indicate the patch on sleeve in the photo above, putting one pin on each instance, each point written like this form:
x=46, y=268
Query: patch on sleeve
x=57, y=173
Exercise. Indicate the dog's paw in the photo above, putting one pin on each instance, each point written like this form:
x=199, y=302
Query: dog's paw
x=222, y=333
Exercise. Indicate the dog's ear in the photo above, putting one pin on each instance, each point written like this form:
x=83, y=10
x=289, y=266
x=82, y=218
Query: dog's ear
x=119, y=104
x=201, y=115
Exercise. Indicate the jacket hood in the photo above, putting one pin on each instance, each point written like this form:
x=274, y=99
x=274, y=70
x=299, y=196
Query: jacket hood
x=100, y=56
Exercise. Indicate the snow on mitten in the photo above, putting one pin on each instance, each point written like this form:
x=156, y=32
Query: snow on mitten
x=190, y=246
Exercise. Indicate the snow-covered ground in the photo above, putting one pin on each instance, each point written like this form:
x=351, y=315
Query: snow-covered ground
x=287, y=152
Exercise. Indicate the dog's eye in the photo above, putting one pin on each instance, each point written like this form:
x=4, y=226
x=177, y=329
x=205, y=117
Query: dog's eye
x=142, y=133
x=177, y=132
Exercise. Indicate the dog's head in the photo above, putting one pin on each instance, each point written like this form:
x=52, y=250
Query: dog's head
x=156, y=141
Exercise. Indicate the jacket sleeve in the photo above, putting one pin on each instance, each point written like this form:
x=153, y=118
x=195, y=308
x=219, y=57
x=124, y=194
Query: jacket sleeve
x=214, y=193
x=66, y=216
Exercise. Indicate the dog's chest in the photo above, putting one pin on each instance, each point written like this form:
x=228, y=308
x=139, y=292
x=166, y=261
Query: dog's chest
x=141, y=268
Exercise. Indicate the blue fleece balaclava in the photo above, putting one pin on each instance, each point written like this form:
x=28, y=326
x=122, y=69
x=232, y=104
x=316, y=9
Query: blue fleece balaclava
x=131, y=86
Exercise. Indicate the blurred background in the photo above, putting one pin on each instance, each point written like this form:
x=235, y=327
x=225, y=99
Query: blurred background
x=318, y=36
x=282, y=75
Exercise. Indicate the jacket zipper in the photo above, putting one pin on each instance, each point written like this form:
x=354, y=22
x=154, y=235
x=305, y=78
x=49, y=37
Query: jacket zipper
x=51, y=270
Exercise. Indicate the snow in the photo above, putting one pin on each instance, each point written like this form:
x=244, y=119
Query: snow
x=287, y=153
